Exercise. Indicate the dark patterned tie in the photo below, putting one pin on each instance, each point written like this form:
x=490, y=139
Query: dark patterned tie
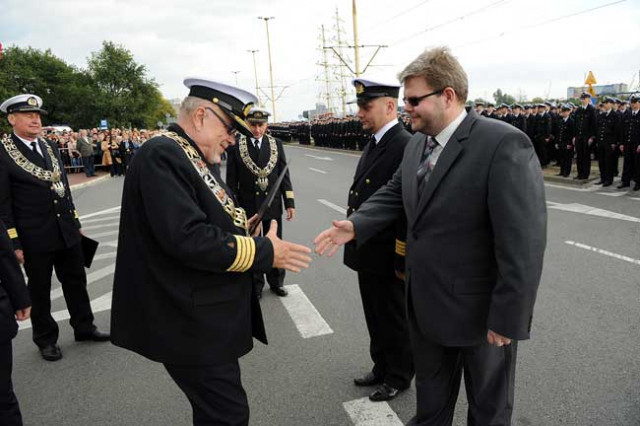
x=424, y=170
x=34, y=148
x=255, y=144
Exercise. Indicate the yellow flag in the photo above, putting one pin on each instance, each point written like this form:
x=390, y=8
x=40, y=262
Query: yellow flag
x=591, y=79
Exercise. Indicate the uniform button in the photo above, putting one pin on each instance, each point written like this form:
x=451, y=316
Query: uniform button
x=55, y=201
x=58, y=215
x=368, y=181
x=257, y=193
x=350, y=192
x=356, y=194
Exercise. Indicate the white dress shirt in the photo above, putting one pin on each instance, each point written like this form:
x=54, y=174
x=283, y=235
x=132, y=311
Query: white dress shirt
x=28, y=144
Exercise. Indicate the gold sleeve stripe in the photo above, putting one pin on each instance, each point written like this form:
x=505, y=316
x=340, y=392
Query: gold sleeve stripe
x=13, y=233
x=401, y=248
x=288, y=194
x=75, y=214
x=245, y=254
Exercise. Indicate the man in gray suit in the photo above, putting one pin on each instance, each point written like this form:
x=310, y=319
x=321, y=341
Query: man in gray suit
x=473, y=194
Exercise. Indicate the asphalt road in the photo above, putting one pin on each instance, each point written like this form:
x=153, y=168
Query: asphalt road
x=581, y=367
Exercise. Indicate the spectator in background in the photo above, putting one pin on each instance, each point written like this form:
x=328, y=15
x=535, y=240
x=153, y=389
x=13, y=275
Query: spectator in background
x=107, y=160
x=85, y=148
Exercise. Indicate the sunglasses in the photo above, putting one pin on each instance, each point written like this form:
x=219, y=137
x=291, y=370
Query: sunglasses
x=414, y=101
x=231, y=131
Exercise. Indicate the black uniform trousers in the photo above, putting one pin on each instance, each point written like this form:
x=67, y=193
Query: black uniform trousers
x=565, y=157
x=583, y=158
x=606, y=160
x=631, y=166
x=489, y=377
x=215, y=393
x=9, y=408
x=275, y=277
x=69, y=266
x=383, y=301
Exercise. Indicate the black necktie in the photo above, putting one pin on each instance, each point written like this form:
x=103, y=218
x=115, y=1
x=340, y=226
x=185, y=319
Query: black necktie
x=255, y=144
x=34, y=147
x=425, y=166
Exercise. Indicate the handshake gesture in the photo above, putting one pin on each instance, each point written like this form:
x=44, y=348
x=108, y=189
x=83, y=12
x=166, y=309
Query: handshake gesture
x=340, y=233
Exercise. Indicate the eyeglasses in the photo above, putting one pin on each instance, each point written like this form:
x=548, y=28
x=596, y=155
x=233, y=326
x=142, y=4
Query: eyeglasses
x=231, y=131
x=414, y=101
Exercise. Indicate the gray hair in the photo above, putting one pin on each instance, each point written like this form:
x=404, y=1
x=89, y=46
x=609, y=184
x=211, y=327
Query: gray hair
x=441, y=69
x=189, y=104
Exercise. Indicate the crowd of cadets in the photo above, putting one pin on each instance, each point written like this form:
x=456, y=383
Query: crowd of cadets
x=610, y=130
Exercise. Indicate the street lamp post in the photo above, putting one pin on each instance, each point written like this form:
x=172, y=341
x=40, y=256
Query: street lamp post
x=255, y=73
x=235, y=73
x=273, y=98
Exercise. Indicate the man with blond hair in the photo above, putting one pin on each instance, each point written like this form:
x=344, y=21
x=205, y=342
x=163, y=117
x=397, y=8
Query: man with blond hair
x=473, y=194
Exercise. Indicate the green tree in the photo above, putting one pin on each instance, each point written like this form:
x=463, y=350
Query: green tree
x=537, y=100
x=67, y=92
x=503, y=98
x=127, y=97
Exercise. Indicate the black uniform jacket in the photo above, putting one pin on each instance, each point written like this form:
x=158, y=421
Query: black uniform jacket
x=585, y=122
x=607, y=128
x=13, y=290
x=385, y=251
x=243, y=182
x=182, y=290
x=566, y=132
x=38, y=220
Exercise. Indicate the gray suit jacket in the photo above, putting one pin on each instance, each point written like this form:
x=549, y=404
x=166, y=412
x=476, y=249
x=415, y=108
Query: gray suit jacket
x=476, y=235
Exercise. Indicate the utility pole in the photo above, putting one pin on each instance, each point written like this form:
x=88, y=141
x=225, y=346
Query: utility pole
x=255, y=73
x=325, y=65
x=356, y=45
x=235, y=73
x=273, y=98
x=343, y=92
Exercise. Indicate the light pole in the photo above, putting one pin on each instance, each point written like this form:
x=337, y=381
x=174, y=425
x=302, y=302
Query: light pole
x=273, y=98
x=255, y=73
x=236, y=75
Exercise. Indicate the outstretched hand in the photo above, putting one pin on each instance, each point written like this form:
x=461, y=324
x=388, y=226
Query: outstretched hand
x=340, y=233
x=287, y=255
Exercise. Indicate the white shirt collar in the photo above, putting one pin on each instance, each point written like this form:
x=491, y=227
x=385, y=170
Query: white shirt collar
x=27, y=143
x=253, y=141
x=380, y=133
x=444, y=136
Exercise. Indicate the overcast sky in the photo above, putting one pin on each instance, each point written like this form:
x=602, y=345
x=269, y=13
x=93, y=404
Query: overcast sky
x=520, y=46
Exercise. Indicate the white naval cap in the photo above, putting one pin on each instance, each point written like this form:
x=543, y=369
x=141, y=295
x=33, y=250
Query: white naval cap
x=367, y=89
x=234, y=101
x=23, y=103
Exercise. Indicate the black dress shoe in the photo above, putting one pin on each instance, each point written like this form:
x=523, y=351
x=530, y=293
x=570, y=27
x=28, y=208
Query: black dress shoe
x=606, y=184
x=623, y=185
x=51, y=352
x=280, y=291
x=637, y=187
x=384, y=393
x=259, y=295
x=94, y=336
x=368, y=379
x=599, y=182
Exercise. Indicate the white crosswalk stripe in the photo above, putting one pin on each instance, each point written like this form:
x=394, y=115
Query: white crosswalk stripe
x=305, y=316
x=104, y=225
x=102, y=219
x=364, y=412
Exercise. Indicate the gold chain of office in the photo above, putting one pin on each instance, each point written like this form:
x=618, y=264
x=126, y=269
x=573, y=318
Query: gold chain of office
x=261, y=173
x=238, y=215
x=54, y=176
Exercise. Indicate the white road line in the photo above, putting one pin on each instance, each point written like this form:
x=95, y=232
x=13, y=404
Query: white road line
x=91, y=278
x=103, y=234
x=102, y=303
x=634, y=198
x=612, y=194
x=112, y=243
x=101, y=212
x=333, y=206
x=105, y=256
x=317, y=170
x=305, y=316
x=346, y=154
x=568, y=188
x=581, y=208
x=604, y=252
x=317, y=157
x=102, y=219
x=104, y=225
x=364, y=412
